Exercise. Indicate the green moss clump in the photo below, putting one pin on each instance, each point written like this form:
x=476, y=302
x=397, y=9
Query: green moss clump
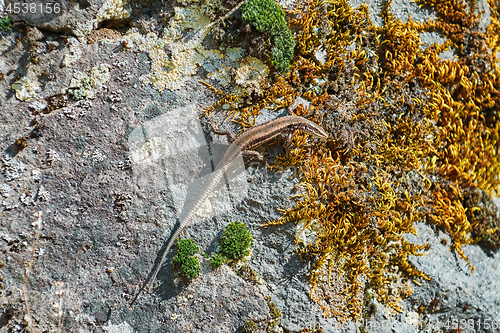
x=191, y=267
x=6, y=24
x=249, y=327
x=187, y=248
x=267, y=16
x=216, y=260
x=189, y=264
x=235, y=241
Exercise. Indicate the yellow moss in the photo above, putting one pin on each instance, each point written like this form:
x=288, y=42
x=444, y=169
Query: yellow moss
x=449, y=214
x=399, y=116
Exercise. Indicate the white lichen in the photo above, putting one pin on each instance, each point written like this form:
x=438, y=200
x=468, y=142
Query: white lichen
x=251, y=75
x=5, y=190
x=74, y=52
x=95, y=155
x=189, y=18
x=28, y=198
x=87, y=85
x=234, y=53
x=26, y=88
x=13, y=169
x=412, y=318
x=43, y=195
x=174, y=61
x=308, y=234
x=10, y=203
x=37, y=106
x=321, y=55
x=84, y=28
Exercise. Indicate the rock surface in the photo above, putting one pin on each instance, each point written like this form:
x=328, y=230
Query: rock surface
x=112, y=147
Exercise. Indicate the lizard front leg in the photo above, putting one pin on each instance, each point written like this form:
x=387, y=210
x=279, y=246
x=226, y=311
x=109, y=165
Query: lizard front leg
x=216, y=130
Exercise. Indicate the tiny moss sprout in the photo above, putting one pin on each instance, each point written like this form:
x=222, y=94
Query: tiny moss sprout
x=6, y=24
x=185, y=259
x=235, y=241
x=267, y=16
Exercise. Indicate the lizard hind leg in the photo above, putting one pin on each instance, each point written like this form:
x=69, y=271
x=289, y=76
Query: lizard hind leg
x=257, y=156
x=252, y=153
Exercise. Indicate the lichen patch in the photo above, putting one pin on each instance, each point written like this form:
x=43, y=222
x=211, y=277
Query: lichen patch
x=26, y=88
x=85, y=85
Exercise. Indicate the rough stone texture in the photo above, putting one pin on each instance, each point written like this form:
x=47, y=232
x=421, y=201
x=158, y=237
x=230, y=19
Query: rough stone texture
x=109, y=202
x=217, y=302
x=453, y=284
x=74, y=17
x=454, y=296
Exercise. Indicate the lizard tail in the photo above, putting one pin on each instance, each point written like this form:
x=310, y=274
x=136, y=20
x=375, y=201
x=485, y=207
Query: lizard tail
x=169, y=245
x=157, y=269
x=214, y=179
x=210, y=186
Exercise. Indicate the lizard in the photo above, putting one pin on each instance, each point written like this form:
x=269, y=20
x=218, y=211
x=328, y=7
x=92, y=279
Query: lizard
x=243, y=144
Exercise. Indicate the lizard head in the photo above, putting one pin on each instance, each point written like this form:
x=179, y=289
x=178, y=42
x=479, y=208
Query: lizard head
x=313, y=129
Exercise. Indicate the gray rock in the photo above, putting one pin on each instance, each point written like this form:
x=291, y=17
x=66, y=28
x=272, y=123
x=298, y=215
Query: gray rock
x=76, y=17
x=113, y=146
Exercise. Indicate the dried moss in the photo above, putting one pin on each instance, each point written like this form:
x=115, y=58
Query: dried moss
x=275, y=314
x=411, y=135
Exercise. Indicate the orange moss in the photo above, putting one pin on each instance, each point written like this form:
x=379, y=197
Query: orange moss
x=410, y=132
